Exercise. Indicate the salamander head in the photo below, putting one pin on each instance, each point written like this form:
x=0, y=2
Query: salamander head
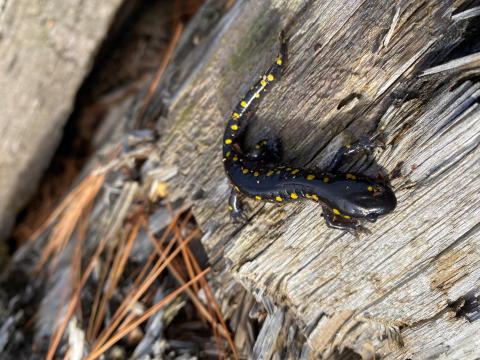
x=371, y=200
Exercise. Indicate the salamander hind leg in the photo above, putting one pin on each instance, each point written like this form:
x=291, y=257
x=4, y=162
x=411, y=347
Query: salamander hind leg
x=236, y=208
x=335, y=222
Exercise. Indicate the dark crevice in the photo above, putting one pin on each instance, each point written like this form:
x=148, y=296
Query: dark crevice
x=469, y=44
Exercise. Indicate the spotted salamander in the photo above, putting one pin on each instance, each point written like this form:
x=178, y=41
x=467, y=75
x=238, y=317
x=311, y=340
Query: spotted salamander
x=346, y=199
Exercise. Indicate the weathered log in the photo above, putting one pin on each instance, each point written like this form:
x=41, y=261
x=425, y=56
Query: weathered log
x=47, y=49
x=353, y=72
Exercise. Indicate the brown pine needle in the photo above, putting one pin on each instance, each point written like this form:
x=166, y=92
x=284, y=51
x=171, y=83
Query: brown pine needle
x=63, y=205
x=206, y=313
x=68, y=214
x=223, y=329
x=147, y=314
x=127, y=304
x=76, y=271
x=161, y=70
x=166, y=262
x=57, y=335
x=186, y=258
x=98, y=293
x=212, y=302
x=115, y=274
x=73, y=213
x=130, y=298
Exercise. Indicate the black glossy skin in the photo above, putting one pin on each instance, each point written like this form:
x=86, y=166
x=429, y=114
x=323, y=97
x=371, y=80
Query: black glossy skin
x=345, y=198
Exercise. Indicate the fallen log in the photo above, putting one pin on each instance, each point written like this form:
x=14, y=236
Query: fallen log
x=405, y=72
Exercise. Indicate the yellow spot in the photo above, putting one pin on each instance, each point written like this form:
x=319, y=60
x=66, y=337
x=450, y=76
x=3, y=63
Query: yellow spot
x=315, y=197
x=351, y=176
x=228, y=141
x=237, y=189
x=370, y=188
x=278, y=198
x=336, y=211
x=279, y=61
x=245, y=171
x=257, y=146
x=257, y=95
x=270, y=173
x=235, y=158
x=230, y=207
x=258, y=197
x=256, y=173
x=263, y=83
x=236, y=115
x=308, y=196
x=288, y=169
x=294, y=196
x=270, y=77
x=326, y=179
x=243, y=103
x=234, y=127
x=310, y=177
x=296, y=171
x=346, y=216
x=348, y=146
x=228, y=154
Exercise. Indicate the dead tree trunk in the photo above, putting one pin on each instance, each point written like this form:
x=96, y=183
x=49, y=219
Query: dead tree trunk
x=47, y=49
x=356, y=69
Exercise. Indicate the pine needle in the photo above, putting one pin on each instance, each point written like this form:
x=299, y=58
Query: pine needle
x=150, y=312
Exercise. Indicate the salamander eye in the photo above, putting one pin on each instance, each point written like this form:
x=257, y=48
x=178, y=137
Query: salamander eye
x=378, y=190
x=371, y=217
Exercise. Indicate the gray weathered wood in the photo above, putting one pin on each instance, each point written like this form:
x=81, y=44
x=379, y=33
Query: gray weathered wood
x=46, y=51
x=352, y=73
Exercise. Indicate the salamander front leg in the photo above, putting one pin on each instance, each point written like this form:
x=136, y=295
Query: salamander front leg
x=364, y=145
x=350, y=225
x=267, y=151
x=236, y=208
